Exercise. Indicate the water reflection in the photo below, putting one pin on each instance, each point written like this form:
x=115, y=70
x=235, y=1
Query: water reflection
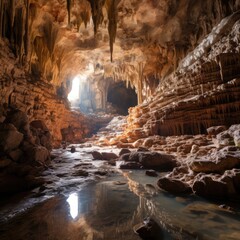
x=73, y=204
x=107, y=210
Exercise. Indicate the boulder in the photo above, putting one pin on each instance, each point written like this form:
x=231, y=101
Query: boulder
x=174, y=186
x=38, y=154
x=10, y=138
x=123, y=151
x=97, y=155
x=207, y=187
x=152, y=160
x=18, y=118
x=157, y=160
x=109, y=155
x=128, y=165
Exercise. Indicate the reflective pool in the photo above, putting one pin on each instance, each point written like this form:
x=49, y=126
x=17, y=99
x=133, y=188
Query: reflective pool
x=109, y=209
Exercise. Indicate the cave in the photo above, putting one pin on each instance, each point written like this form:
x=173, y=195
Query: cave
x=121, y=98
x=119, y=119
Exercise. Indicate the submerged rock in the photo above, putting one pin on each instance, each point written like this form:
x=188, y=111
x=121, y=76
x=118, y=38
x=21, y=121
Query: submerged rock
x=148, y=230
x=151, y=173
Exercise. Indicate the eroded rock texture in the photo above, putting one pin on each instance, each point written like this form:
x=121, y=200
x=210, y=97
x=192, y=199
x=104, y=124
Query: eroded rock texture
x=202, y=92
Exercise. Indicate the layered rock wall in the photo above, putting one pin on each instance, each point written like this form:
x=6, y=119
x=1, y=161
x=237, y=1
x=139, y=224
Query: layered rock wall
x=204, y=91
x=39, y=100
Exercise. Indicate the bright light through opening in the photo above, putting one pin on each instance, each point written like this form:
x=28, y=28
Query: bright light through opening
x=73, y=203
x=74, y=94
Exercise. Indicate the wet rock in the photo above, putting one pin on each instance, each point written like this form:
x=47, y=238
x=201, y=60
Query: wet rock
x=73, y=149
x=123, y=151
x=97, y=155
x=157, y=160
x=130, y=165
x=109, y=155
x=125, y=156
x=150, y=160
x=151, y=173
x=207, y=187
x=10, y=138
x=148, y=230
x=174, y=186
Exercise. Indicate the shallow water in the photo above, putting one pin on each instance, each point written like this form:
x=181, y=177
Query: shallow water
x=109, y=209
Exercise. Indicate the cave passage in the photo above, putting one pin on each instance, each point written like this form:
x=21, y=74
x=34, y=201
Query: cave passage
x=121, y=97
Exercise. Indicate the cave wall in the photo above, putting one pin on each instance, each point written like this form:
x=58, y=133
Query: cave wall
x=204, y=91
x=38, y=99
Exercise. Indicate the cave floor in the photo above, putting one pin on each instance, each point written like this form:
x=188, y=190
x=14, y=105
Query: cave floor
x=110, y=202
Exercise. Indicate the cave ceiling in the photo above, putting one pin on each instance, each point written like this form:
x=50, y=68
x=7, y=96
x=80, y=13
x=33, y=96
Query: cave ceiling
x=131, y=40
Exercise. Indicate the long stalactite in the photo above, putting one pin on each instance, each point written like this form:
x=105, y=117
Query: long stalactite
x=97, y=15
x=112, y=23
x=69, y=3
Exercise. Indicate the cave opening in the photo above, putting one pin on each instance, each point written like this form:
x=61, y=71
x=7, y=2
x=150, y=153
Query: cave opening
x=78, y=89
x=121, y=97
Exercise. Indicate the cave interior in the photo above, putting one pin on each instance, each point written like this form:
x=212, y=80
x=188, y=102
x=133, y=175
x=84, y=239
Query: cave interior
x=120, y=103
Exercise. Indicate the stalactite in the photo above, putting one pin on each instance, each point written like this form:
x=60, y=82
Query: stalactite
x=69, y=3
x=97, y=15
x=112, y=22
x=26, y=40
x=1, y=17
x=140, y=82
